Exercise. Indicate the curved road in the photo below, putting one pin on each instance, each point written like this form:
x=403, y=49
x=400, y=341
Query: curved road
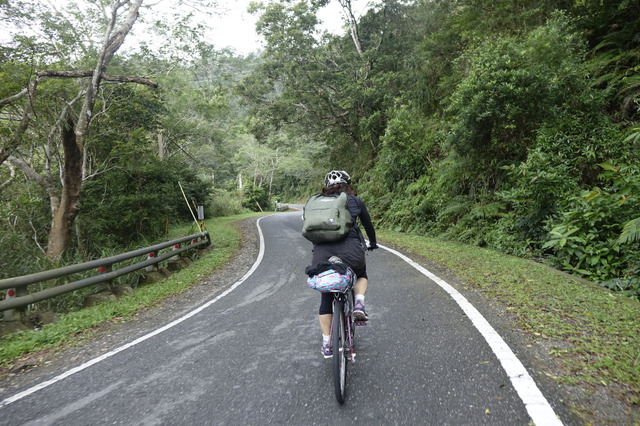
x=251, y=356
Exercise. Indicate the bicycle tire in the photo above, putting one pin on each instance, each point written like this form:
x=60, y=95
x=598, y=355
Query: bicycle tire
x=339, y=356
x=349, y=320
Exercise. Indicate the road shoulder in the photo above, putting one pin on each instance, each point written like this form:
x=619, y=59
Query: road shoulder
x=43, y=365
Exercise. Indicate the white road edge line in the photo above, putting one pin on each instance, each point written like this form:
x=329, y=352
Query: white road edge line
x=536, y=404
x=88, y=364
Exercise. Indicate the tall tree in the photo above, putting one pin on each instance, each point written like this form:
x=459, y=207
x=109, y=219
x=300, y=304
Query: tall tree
x=335, y=88
x=60, y=56
x=65, y=205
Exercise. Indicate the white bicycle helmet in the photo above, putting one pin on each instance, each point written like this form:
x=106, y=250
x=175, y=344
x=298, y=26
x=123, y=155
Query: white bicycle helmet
x=335, y=177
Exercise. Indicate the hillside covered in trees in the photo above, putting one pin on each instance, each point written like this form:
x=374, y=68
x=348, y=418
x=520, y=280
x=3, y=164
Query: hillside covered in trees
x=506, y=124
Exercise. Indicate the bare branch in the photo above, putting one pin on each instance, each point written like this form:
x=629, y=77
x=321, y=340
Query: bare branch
x=103, y=76
x=13, y=98
x=27, y=114
x=115, y=40
x=353, y=25
x=12, y=175
x=111, y=44
x=44, y=182
x=35, y=237
x=99, y=172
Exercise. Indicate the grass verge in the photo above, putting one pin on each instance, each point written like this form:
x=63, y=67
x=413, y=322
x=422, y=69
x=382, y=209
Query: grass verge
x=593, y=332
x=74, y=327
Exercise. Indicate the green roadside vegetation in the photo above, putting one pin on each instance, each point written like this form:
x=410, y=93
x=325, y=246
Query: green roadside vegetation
x=75, y=327
x=592, y=332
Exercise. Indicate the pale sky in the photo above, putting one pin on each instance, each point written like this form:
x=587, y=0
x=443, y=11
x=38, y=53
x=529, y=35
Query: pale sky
x=237, y=28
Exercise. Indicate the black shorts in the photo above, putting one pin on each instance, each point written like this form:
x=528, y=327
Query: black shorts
x=352, y=253
x=350, y=250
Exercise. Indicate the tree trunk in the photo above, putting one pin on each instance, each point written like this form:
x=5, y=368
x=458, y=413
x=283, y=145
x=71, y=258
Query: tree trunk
x=160, y=145
x=353, y=25
x=74, y=137
x=66, y=212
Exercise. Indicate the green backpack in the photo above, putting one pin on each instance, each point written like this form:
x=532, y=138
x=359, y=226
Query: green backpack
x=326, y=218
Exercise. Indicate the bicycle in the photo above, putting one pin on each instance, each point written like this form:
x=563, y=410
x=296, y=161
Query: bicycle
x=336, y=278
x=342, y=338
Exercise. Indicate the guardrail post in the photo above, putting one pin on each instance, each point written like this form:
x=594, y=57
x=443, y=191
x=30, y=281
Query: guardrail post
x=11, y=314
x=176, y=262
x=153, y=267
x=174, y=248
x=15, y=314
x=103, y=270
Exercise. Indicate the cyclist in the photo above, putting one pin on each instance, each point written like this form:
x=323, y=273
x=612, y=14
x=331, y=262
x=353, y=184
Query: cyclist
x=350, y=249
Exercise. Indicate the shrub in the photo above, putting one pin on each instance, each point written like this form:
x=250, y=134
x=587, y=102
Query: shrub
x=224, y=203
x=513, y=86
x=586, y=239
x=256, y=199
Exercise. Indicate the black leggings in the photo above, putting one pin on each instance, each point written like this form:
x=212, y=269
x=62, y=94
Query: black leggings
x=326, y=304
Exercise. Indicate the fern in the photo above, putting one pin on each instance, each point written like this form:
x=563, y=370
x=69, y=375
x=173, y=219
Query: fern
x=630, y=232
x=456, y=208
x=488, y=210
x=634, y=137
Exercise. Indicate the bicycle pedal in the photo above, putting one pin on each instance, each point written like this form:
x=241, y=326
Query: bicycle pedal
x=360, y=323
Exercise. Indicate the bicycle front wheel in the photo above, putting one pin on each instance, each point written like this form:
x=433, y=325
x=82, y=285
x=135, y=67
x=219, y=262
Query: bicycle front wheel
x=339, y=339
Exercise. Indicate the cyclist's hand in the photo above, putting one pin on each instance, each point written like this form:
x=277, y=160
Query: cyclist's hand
x=373, y=247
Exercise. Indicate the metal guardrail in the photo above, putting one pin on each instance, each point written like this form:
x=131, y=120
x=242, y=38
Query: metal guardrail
x=19, y=284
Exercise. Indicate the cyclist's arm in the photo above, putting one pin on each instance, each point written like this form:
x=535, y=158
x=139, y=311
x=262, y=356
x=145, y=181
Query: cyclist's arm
x=365, y=220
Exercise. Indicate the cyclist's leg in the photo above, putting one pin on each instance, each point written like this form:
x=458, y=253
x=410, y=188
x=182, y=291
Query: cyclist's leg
x=325, y=312
x=325, y=317
x=325, y=323
x=322, y=253
x=360, y=288
x=355, y=258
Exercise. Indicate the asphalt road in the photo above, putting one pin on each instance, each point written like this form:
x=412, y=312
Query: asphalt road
x=251, y=356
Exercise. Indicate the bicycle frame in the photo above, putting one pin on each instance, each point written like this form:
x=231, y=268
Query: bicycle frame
x=342, y=336
x=347, y=305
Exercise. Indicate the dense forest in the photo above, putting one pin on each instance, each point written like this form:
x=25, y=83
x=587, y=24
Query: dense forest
x=507, y=124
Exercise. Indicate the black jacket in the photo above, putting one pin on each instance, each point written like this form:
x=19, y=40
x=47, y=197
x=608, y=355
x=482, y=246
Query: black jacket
x=325, y=266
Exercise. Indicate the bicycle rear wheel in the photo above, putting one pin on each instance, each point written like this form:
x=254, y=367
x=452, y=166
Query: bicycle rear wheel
x=339, y=339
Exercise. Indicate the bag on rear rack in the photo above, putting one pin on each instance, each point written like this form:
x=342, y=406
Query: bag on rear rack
x=326, y=218
x=332, y=280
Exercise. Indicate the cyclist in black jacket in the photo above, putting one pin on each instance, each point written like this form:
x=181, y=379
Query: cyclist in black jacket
x=351, y=250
